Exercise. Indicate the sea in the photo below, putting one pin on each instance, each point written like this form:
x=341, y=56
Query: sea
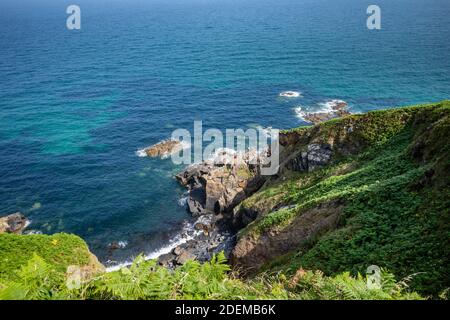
x=76, y=106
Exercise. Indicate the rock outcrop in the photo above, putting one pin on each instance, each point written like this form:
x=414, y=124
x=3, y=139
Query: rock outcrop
x=252, y=251
x=211, y=236
x=13, y=223
x=164, y=148
x=338, y=110
x=217, y=187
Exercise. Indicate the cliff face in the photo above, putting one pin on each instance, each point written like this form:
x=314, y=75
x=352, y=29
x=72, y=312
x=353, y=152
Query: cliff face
x=352, y=192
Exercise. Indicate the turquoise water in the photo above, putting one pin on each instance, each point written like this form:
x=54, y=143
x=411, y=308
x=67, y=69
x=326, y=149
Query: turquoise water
x=76, y=105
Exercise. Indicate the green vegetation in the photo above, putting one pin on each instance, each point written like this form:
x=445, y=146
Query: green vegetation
x=146, y=280
x=395, y=194
x=58, y=250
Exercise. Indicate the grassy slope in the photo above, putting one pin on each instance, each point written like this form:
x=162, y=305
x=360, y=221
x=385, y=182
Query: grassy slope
x=392, y=216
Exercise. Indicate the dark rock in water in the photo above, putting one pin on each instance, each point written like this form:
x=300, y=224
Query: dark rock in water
x=214, y=238
x=13, y=223
x=196, y=201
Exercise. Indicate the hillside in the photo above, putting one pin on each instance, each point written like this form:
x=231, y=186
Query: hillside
x=380, y=196
x=367, y=189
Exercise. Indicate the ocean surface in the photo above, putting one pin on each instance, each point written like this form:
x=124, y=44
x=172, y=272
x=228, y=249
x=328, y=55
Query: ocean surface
x=76, y=105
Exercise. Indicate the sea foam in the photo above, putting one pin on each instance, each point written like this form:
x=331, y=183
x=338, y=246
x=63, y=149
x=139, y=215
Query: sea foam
x=187, y=233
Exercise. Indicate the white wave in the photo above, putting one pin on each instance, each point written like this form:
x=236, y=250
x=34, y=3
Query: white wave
x=141, y=153
x=290, y=94
x=187, y=233
x=122, y=244
x=330, y=105
x=300, y=113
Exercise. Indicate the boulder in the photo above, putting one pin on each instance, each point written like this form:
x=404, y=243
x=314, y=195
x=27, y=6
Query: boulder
x=13, y=223
x=164, y=148
x=338, y=110
x=184, y=257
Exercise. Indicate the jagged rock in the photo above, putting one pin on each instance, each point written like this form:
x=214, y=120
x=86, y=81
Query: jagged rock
x=318, y=155
x=13, y=223
x=164, y=148
x=177, y=251
x=251, y=252
x=196, y=201
x=338, y=110
x=184, y=257
x=215, y=187
x=167, y=260
x=319, y=117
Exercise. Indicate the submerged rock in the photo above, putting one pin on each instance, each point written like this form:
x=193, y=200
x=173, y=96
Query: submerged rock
x=13, y=223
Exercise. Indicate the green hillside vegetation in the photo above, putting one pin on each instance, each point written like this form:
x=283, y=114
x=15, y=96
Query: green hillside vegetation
x=393, y=198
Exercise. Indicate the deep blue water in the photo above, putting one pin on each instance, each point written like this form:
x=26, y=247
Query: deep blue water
x=76, y=105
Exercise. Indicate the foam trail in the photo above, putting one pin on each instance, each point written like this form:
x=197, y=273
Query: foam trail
x=141, y=153
x=300, y=113
x=176, y=241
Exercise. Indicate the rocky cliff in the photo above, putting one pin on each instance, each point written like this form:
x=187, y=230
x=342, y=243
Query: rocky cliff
x=361, y=190
x=364, y=189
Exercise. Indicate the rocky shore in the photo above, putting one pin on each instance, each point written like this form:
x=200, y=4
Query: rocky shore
x=218, y=186
x=162, y=149
x=215, y=188
x=13, y=223
x=338, y=110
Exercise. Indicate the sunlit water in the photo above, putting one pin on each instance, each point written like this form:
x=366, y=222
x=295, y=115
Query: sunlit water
x=76, y=105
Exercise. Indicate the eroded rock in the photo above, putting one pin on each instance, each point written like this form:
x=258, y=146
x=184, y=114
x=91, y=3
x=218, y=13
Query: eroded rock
x=252, y=251
x=13, y=223
x=217, y=187
x=164, y=148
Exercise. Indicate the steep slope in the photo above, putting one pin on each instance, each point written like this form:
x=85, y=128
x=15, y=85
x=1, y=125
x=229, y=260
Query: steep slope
x=369, y=189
